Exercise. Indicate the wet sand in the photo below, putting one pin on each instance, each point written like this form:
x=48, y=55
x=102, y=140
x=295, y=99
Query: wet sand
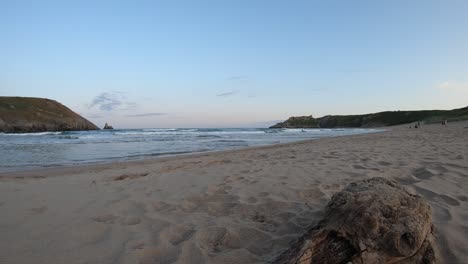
x=242, y=206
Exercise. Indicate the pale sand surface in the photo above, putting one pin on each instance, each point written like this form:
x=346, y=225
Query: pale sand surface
x=243, y=206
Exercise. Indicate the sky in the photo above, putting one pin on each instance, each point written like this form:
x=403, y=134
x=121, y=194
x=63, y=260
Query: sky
x=234, y=63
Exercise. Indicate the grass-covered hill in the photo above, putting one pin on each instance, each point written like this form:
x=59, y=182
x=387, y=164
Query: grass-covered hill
x=388, y=118
x=27, y=114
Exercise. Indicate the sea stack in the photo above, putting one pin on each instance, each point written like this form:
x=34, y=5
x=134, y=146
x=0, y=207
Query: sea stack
x=107, y=126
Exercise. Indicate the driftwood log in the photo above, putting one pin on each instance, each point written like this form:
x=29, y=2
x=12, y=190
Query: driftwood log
x=370, y=221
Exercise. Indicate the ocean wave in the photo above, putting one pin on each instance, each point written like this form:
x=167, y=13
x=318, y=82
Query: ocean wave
x=31, y=134
x=68, y=137
x=208, y=136
x=274, y=130
x=230, y=141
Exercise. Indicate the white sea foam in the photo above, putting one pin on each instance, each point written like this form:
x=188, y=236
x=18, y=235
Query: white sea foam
x=59, y=148
x=31, y=134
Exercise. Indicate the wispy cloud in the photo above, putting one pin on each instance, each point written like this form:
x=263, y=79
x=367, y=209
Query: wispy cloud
x=318, y=89
x=146, y=114
x=238, y=78
x=91, y=115
x=109, y=101
x=454, y=86
x=227, y=94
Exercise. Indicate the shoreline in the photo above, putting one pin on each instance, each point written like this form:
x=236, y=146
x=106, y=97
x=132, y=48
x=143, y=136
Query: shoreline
x=155, y=158
x=234, y=206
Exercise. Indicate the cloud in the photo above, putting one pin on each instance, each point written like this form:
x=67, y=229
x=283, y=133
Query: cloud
x=454, y=86
x=227, y=94
x=146, y=114
x=91, y=115
x=318, y=89
x=238, y=78
x=109, y=101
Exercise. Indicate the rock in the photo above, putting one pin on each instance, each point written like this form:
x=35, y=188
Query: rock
x=370, y=221
x=106, y=126
x=298, y=122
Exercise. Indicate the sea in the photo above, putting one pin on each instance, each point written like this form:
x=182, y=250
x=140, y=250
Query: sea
x=26, y=151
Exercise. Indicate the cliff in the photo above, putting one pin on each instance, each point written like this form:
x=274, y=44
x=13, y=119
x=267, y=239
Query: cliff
x=28, y=114
x=388, y=118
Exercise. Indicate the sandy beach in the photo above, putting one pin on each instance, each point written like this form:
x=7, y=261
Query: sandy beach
x=241, y=206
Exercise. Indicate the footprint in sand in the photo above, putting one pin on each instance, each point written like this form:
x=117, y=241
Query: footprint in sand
x=188, y=206
x=177, y=234
x=39, y=210
x=252, y=200
x=263, y=194
x=220, y=208
x=259, y=218
x=106, y=218
x=407, y=180
x=215, y=189
x=162, y=253
x=432, y=196
x=191, y=253
x=285, y=216
x=359, y=167
x=384, y=163
x=449, y=200
x=217, y=239
x=88, y=234
x=441, y=214
x=130, y=176
x=423, y=173
x=130, y=220
x=311, y=193
x=289, y=228
x=136, y=245
x=159, y=206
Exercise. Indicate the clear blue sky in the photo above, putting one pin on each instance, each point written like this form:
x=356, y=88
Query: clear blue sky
x=234, y=63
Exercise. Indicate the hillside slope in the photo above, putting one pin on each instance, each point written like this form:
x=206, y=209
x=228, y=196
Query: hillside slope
x=388, y=118
x=28, y=114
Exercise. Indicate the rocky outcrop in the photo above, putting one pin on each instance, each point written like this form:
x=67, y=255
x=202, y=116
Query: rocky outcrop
x=298, y=122
x=107, y=126
x=388, y=118
x=370, y=221
x=27, y=114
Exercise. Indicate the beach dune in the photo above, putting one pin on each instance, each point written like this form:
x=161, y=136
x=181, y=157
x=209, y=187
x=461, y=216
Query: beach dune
x=240, y=206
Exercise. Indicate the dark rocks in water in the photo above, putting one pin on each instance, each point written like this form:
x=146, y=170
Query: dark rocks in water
x=106, y=126
x=28, y=114
x=370, y=221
